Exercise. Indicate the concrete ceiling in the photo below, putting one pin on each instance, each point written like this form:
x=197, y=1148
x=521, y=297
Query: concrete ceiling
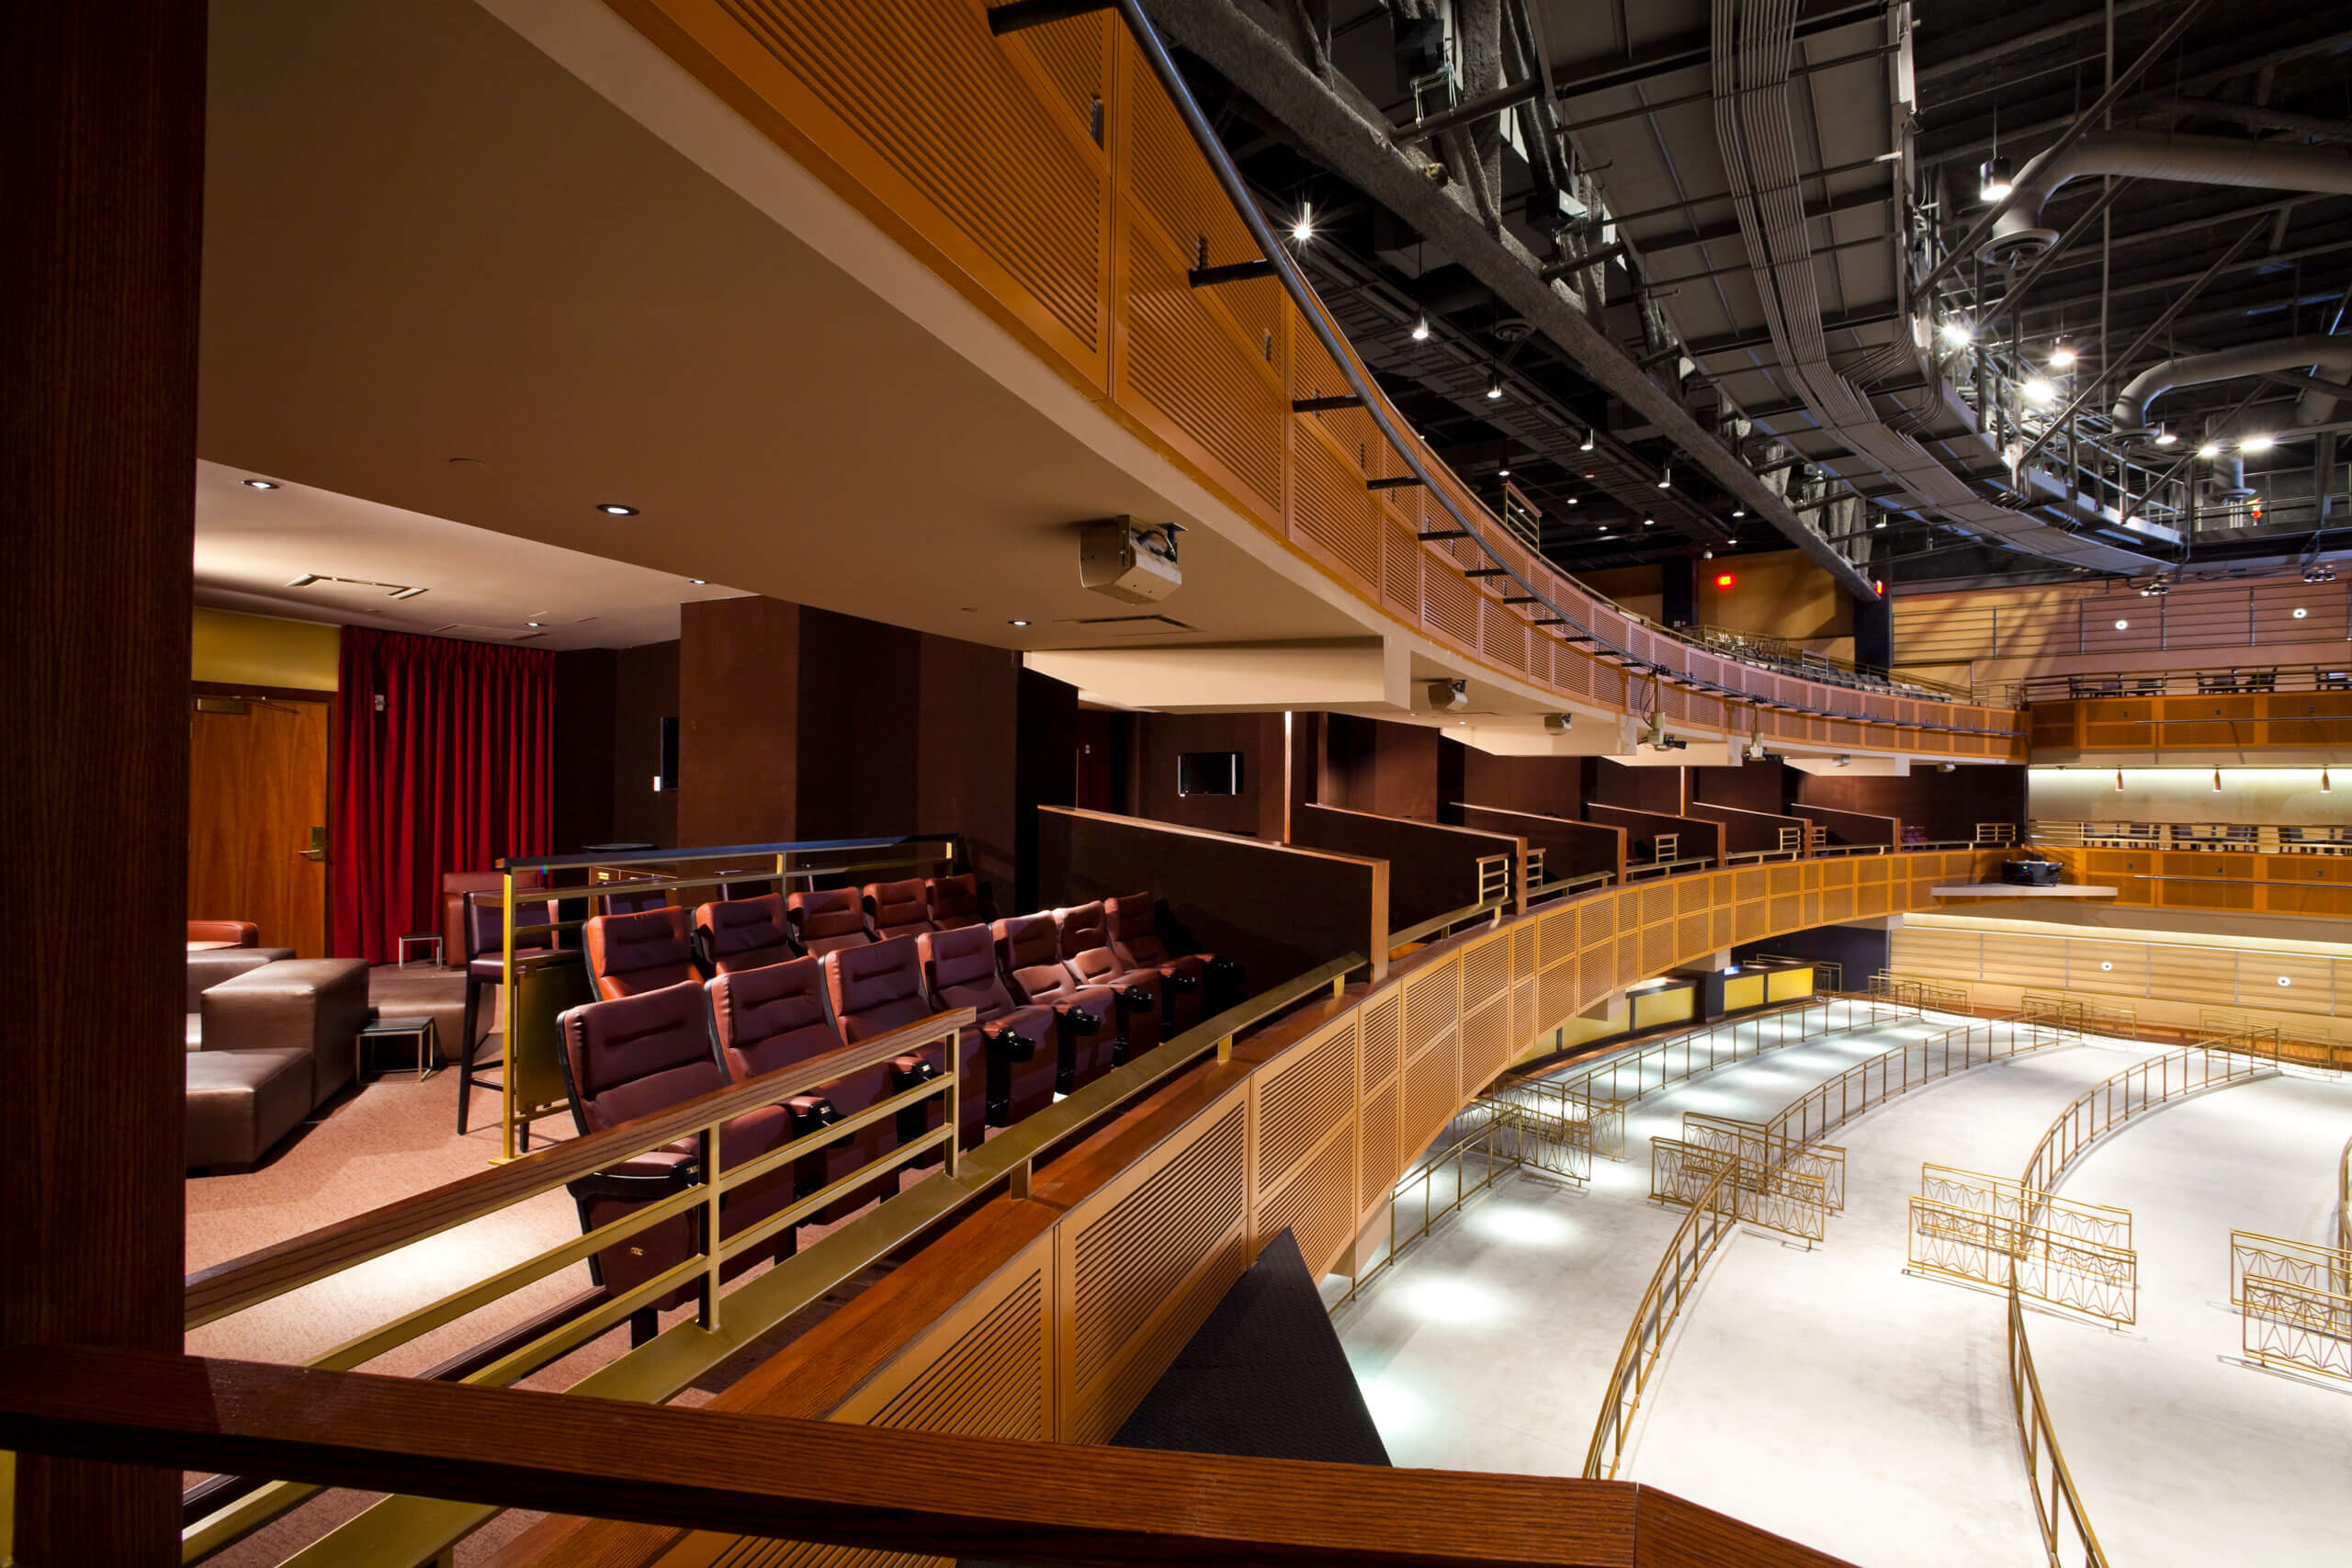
x=444, y=274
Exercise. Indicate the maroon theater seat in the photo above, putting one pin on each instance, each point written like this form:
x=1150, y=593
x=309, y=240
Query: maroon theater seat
x=1086, y=948
x=1197, y=982
x=876, y=988
x=1011, y=1050
x=956, y=902
x=897, y=908
x=773, y=1017
x=744, y=933
x=827, y=922
x=631, y=954
x=484, y=929
x=615, y=899
x=1097, y=1027
x=631, y=1057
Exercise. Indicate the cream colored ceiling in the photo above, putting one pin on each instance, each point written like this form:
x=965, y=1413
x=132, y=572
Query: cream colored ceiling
x=443, y=274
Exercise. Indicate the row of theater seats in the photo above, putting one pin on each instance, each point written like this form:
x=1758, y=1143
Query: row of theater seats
x=1060, y=997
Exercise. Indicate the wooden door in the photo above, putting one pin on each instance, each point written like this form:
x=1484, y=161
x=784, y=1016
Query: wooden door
x=258, y=788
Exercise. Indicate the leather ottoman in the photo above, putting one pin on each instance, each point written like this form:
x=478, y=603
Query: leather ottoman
x=241, y=1102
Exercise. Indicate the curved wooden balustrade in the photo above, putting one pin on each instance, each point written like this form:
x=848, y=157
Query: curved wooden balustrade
x=1064, y=191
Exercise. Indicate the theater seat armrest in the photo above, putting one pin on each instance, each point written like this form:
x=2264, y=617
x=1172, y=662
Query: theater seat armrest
x=1080, y=1020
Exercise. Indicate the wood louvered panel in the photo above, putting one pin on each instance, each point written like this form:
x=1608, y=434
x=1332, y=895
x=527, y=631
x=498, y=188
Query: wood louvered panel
x=1937, y=950
x=2025, y=961
x=1836, y=874
x=1837, y=905
x=1555, y=937
x=1596, y=972
x=1400, y=572
x=1433, y=1006
x=1657, y=950
x=1502, y=636
x=1813, y=909
x=991, y=1381
x=1486, y=969
x=1629, y=910
x=1560, y=992
x=1629, y=958
x=1318, y=1206
x=1131, y=1251
x=1486, y=1044
x=1383, y=1021
x=971, y=136
x=1331, y=510
x=1787, y=912
x=1596, y=921
x=1788, y=879
x=1074, y=59
x=1182, y=364
x=1754, y=921
x=1726, y=917
x=1657, y=903
x=1431, y=1094
x=1449, y=605
x=1376, y=1128
x=1697, y=893
x=1691, y=937
x=1748, y=885
x=1303, y=1097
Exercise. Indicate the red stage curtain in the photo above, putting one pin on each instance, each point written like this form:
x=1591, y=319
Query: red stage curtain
x=443, y=754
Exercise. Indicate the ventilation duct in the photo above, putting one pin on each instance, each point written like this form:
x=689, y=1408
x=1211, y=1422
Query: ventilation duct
x=2019, y=234
x=2333, y=356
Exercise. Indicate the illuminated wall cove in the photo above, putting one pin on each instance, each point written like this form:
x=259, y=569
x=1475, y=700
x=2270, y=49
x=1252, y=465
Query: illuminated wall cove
x=1080, y=245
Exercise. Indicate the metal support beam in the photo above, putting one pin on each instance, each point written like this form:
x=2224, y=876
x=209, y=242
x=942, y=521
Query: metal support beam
x=1560, y=269
x=1578, y=77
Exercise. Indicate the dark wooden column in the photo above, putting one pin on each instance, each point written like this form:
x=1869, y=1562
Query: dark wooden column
x=101, y=174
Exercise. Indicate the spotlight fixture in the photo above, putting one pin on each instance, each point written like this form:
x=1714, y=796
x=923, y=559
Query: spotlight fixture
x=1958, y=334
x=2165, y=437
x=1649, y=522
x=1303, y=230
x=1573, y=500
x=2038, y=392
x=1666, y=479
x=1738, y=513
x=1585, y=445
x=1947, y=767
x=1422, y=329
x=1706, y=555
x=614, y=509
x=261, y=484
x=1995, y=179
x=1880, y=524
x=1494, y=389
x=1503, y=472
x=2062, y=357
x=2216, y=781
x=2252, y=444
x=2211, y=449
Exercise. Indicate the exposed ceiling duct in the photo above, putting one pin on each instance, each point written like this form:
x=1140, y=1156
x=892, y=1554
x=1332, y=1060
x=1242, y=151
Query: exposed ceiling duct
x=2019, y=234
x=2332, y=355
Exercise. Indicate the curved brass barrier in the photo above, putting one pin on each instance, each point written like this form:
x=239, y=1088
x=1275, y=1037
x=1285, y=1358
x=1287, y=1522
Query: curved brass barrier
x=2344, y=1198
x=1713, y=1212
x=2097, y=1110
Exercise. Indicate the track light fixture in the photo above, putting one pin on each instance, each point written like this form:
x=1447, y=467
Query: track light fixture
x=1996, y=178
x=1494, y=387
x=1422, y=329
x=1585, y=445
x=1666, y=479
x=2209, y=450
x=2062, y=355
x=2253, y=443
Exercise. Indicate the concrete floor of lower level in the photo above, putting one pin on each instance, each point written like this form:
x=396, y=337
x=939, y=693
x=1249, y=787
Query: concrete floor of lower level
x=1826, y=1394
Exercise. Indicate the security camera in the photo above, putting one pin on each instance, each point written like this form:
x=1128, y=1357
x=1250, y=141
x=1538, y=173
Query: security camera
x=1558, y=722
x=1449, y=696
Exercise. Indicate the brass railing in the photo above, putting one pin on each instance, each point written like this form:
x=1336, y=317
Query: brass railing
x=2066, y=1530
x=388, y=1534
x=1486, y=911
x=1494, y=878
x=2242, y=838
x=2229, y=679
x=2344, y=1197
x=1965, y=1224
x=1714, y=1213
x=2244, y=1034
x=1482, y=1135
x=1920, y=993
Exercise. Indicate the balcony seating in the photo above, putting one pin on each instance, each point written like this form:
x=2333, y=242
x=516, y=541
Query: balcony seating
x=1197, y=982
x=878, y=988
x=204, y=935
x=630, y=1056
x=897, y=908
x=956, y=902
x=484, y=936
x=455, y=886
x=1096, y=1028
x=646, y=951
x=827, y=922
x=620, y=898
x=770, y=1018
x=744, y=933
x=1085, y=932
x=1009, y=1061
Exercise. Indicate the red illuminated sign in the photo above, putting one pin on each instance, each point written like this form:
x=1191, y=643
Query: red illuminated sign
x=1722, y=579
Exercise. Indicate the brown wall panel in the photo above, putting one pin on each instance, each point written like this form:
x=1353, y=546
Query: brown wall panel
x=1947, y=806
x=967, y=707
x=1431, y=869
x=1570, y=848
x=1372, y=764
x=739, y=705
x=1279, y=912
x=645, y=692
x=1256, y=812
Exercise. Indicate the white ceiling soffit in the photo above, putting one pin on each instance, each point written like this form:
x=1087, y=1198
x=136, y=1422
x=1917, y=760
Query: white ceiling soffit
x=425, y=239
x=253, y=545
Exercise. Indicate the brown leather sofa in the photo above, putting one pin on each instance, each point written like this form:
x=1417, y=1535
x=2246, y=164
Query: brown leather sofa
x=273, y=1040
x=203, y=935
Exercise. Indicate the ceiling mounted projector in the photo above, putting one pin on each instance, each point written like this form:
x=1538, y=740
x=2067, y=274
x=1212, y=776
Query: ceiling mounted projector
x=1130, y=561
x=1756, y=752
x=1449, y=696
x=1558, y=722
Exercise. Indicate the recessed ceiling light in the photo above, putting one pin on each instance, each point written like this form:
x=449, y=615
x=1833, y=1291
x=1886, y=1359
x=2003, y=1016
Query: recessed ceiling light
x=261, y=484
x=1016, y=622
x=614, y=509
x=2300, y=614
x=2123, y=625
x=699, y=581
x=534, y=622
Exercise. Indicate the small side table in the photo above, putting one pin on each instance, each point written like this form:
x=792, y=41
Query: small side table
x=419, y=1029
x=428, y=939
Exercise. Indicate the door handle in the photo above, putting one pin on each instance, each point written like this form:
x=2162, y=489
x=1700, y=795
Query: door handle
x=318, y=849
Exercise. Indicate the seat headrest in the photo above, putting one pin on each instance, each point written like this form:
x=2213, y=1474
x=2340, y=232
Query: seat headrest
x=966, y=957
x=865, y=979
x=953, y=895
x=771, y=1017
x=1028, y=941
x=1130, y=915
x=835, y=912
x=621, y=947
x=745, y=933
x=1084, y=928
x=634, y=1054
x=896, y=903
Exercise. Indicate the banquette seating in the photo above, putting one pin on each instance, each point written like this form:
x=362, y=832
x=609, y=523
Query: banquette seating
x=269, y=1038
x=207, y=935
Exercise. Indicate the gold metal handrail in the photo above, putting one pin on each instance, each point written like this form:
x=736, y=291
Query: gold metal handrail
x=1693, y=1242
x=2344, y=1197
x=1444, y=925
